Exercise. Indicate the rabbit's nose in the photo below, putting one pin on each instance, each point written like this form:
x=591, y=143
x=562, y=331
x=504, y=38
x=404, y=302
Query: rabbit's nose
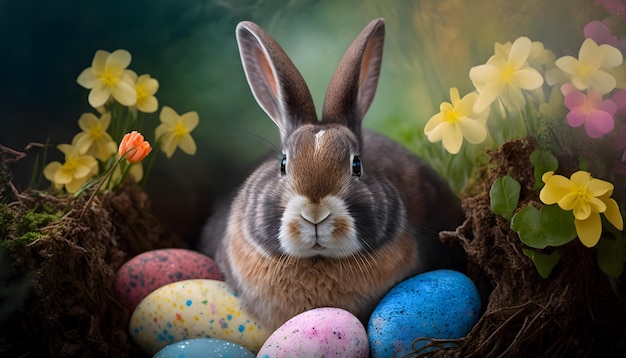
x=315, y=216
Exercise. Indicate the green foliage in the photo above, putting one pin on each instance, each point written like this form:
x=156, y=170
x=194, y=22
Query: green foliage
x=612, y=256
x=549, y=226
x=543, y=262
x=504, y=196
x=543, y=161
x=21, y=229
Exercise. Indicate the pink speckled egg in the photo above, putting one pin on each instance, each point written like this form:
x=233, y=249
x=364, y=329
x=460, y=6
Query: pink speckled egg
x=152, y=269
x=320, y=332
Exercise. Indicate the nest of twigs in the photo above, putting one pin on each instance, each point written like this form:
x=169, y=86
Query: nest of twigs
x=70, y=271
x=577, y=311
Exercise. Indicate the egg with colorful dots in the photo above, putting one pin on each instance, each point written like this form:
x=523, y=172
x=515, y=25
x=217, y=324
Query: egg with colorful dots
x=320, y=332
x=152, y=269
x=193, y=309
x=441, y=304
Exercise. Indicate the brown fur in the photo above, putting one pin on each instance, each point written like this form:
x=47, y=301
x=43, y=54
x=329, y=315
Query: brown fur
x=291, y=285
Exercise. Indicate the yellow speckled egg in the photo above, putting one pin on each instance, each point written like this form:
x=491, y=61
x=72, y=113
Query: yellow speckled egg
x=192, y=309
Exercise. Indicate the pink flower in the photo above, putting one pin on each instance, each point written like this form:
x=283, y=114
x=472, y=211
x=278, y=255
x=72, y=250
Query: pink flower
x=619, y=98
x=592, y=111
x=601, y=34
x=613, y=7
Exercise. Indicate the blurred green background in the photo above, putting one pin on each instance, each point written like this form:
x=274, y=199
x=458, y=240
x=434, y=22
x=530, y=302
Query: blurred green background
x=189, y=47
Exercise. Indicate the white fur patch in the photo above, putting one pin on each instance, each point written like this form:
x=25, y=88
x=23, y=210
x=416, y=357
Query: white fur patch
x=318, y=139
x=324, y=229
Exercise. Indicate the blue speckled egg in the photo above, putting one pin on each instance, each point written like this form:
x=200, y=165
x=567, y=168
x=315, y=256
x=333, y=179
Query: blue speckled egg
x=442, y=304
x=203, y=348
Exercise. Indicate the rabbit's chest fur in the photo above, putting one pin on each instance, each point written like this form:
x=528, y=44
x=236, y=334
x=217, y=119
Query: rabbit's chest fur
x=275, y=289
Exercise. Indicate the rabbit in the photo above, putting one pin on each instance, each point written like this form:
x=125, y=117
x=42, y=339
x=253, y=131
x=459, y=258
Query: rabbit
x=345, y=213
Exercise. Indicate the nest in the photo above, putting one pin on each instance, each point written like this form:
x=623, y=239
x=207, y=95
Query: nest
x=70, y=272
x=577, y=311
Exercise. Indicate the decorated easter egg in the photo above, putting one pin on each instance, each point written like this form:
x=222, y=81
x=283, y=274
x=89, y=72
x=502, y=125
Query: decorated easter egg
x=442, y=304
x=152, y=269
x=320, y=332
x=193, y=309
x=203, y=348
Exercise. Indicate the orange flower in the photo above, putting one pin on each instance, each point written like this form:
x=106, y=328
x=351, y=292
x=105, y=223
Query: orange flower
x=134, y=147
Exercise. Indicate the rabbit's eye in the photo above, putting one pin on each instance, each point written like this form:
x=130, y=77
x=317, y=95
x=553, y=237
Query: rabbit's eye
x=356, y=166
x=283, y=165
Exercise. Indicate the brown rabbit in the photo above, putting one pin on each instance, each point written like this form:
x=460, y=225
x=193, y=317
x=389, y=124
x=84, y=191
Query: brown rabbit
x=346, y=213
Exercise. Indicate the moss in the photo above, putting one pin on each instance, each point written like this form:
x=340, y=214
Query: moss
x=34, y=221
x=17, y=229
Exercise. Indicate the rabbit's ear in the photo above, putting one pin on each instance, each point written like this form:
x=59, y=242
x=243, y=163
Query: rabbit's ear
x=277, y=85
x=353, y=85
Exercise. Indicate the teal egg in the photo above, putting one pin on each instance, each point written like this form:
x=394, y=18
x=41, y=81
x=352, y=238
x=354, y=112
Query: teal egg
x=203, y=348
x=441, y=304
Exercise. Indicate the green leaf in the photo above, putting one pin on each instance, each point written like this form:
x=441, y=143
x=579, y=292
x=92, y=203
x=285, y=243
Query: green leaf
x=504, y=196
x=611, y=256
x=550, y=226
x=543, y=161
x=543, y=262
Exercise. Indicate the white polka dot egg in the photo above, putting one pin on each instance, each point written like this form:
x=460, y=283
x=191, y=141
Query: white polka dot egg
x=192, y=309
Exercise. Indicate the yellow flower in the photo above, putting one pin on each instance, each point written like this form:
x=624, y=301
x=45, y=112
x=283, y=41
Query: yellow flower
x=174, y=131
x=587, y=197
x=588, y=70
x=504, y=75
x=454, y=122
x=94, y=139
x=72, y=174
x=108, y=77
x=146, y=87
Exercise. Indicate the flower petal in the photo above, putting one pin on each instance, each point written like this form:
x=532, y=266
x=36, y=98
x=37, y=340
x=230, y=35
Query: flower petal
x=601, y=81
x=50, y=170
x=519, y=52
x=589, y=55
x=124, y=92
x=612, y=213
x=148, y=105
x=454, y=96
x=99, y=95
x=589, y=230
x=567, y=64
x=472, y=130
x=88, y=121
x=555, y=188
x=483, y=74
x=187, y=145
x=576, y=117
x=118, y=61
x=597, y=187
x=487, y=95
x=612, y=56
x=99, y=60
x=528, y=79
x=574, y=99
x=190, y=120
x=87, y=78
x=599, y=123
x=169, y=116
x=452, y=139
